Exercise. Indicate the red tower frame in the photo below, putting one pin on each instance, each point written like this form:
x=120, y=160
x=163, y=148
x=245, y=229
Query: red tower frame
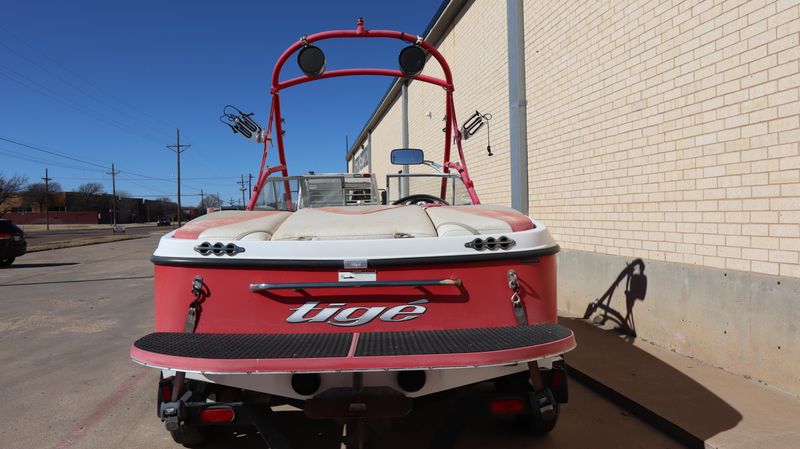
x=452, y=133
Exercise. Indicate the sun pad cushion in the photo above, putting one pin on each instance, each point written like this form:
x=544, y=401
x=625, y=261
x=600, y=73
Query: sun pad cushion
x=356, y=222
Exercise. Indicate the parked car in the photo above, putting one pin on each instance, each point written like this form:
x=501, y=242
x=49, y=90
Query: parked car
x=164, y=221
x=12, y=242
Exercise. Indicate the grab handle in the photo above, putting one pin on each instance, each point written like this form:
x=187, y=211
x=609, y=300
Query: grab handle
x=353, y=284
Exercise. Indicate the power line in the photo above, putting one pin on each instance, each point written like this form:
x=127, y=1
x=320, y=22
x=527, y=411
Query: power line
x=70, y=84
x=50, y=93
x=11, y=153
x=61, y=154
x=85, y=80
x=33, y=147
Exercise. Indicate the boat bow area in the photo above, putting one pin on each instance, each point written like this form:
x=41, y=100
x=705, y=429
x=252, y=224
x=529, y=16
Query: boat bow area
x=375, y=233
x=356, y=222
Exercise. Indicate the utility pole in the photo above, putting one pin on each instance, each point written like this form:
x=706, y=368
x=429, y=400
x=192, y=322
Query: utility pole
x=249, y=185
x=178, y=149
x=203, y=202
x=46, y=195
x=113, y=174
x=242, y=188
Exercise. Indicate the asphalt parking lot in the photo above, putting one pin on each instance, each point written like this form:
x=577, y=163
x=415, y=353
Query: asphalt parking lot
x=68, y=317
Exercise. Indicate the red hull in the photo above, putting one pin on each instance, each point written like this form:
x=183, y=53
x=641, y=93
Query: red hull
x=482, y=300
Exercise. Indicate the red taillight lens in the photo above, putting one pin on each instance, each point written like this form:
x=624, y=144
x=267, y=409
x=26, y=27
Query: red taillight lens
x=555, y=379
x=166, y=392
x=503, y=406
x=5, y=235
x=217, y=415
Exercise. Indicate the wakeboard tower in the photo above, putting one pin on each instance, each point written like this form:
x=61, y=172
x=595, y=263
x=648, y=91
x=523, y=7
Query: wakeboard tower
x=350, y=302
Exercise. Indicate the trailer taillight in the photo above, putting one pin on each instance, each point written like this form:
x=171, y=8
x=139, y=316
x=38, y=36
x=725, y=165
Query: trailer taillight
x=506, y=406
x=217, y=415
x=556, y=379
x=166, y=392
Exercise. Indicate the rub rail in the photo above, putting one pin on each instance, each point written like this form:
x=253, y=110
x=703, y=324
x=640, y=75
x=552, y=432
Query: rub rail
x=352, y=284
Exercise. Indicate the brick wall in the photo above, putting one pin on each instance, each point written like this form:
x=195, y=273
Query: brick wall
x=476, y=49
x=386, y=136
x=668, y=130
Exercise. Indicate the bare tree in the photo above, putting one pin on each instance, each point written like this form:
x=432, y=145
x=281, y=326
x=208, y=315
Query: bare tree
x=210, y=200
x=89, y=197
x=163, y=204
x=36, y=193
x=90, y=189
x=10, y=187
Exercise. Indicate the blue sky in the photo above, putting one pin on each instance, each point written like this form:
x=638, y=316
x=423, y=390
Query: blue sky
x=108, y=81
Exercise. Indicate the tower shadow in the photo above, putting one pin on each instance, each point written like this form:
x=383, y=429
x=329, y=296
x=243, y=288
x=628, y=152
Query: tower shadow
x=635, y=290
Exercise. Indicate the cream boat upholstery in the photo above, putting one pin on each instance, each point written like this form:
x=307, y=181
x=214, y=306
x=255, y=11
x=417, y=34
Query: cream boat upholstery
x=355, y=223
x=233, y=225
x=453, y=221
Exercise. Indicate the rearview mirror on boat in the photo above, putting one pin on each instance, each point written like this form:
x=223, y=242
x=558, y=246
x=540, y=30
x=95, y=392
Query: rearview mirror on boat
x=407, y=156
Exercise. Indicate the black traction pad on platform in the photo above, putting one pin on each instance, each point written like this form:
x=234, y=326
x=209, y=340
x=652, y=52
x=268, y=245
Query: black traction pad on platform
x=246, y=346
x=458, y=341
x=284, y=346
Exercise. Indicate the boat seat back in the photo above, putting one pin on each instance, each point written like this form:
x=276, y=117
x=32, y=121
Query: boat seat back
x=356, y=222
x=233, y=225
x=480, y=219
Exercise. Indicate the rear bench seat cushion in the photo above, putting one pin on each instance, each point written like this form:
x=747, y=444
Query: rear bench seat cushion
x=356, y=222
x=475, y=220
x=233, y=225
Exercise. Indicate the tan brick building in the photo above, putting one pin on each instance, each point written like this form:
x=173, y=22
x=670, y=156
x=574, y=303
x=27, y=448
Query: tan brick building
x=662, y=130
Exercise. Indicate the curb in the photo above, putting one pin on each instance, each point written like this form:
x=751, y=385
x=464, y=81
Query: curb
x=647, y=415
x=72, y=243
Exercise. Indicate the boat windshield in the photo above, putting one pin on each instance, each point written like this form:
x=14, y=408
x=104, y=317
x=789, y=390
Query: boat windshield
x=403, y=185
x=333, y=190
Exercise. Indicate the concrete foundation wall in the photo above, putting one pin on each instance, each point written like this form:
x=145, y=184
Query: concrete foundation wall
x=55, y=217
x=745, y=323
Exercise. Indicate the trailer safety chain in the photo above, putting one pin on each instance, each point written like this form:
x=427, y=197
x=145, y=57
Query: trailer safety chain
x=516, y=299
x=196, y=306
x=542, y=398
x=200, y=292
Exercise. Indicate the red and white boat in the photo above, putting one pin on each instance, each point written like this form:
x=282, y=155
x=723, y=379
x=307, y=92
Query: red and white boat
x=350, y=302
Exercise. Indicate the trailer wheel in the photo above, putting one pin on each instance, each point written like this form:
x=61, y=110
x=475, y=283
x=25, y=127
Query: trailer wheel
x=540, y=422
x=189, y=436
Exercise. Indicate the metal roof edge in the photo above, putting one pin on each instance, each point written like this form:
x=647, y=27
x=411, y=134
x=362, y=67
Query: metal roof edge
x=433, y=33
